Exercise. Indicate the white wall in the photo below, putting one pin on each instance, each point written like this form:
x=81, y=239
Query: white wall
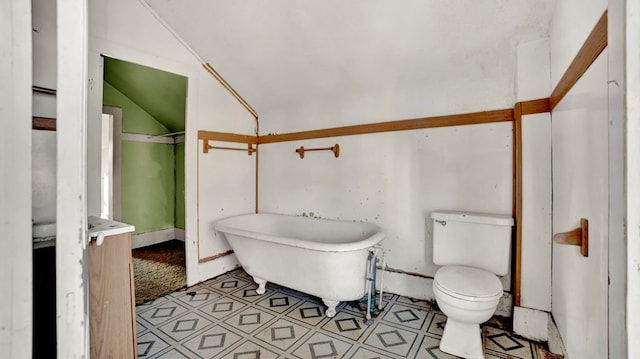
x=627, y=15
x=394, y=180
x=126, y=30
x=533, y=83
x=531, y=318
x=621, y=228
x=15, y=187
x=580, y=185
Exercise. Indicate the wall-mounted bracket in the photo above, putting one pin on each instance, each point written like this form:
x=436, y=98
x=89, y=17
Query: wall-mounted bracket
x=335, y=149
x=577, y=237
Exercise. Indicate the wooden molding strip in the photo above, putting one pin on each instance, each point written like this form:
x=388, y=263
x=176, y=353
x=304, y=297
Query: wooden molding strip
x=227, y=137
x=474, y=118
x=590, y=50
x=233, y=92
x=517, y=197
x=43, y=123
x=533, y=107
x=214, y=257
x=135, y=137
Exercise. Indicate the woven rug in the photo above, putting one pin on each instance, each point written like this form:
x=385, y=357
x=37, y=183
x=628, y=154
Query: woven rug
x=158, y=270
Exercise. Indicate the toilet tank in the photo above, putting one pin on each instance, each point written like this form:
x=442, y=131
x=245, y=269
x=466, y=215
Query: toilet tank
x=476, y=240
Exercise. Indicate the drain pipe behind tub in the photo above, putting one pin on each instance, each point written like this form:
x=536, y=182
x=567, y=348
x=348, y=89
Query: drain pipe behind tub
x=384, y=265
x=371, y=279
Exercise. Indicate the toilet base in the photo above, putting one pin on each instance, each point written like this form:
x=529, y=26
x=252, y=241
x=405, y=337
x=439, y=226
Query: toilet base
x=462, y=339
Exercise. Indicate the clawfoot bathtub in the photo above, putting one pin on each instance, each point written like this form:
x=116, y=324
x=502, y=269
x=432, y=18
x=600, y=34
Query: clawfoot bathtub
x=324, y=258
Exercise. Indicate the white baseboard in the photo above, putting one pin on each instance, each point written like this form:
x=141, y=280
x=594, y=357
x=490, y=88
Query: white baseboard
x=180, y=234
x=419, y=287
x=406, y=285
x=556, y=345
x=531, y=323
x=149, y=238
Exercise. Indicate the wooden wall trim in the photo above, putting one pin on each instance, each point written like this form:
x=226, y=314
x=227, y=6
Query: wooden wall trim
x=533, y=107
x=43, y=123
x=214, y=257
x=474, y=118
x=517, y=196
x=590, y=50
x=227, y=137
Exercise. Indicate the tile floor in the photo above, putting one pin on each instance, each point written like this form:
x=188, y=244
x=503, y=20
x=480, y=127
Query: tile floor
x=225, y=318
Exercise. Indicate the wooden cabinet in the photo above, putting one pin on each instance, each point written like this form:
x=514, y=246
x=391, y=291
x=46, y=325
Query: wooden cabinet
x=112, y=298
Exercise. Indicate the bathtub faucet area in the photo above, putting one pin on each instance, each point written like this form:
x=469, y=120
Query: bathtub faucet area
x=329, y=259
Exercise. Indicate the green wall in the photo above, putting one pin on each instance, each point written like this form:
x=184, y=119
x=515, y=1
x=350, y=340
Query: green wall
x=148, y=185
x=152, y=174
x=134, y=118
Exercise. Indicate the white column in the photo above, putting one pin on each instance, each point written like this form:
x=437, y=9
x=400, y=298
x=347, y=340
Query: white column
x=15, y=179
x=71, y=281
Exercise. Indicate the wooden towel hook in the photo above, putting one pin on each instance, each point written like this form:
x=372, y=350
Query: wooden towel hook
x=576, y=237
x=335, y=149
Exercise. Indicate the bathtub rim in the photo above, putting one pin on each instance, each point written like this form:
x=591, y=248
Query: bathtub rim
x=375, y=238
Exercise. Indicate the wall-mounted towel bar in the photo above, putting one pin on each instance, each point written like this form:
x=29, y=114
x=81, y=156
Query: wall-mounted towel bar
x=206, y=147
x=577, y=237
x=335, y=149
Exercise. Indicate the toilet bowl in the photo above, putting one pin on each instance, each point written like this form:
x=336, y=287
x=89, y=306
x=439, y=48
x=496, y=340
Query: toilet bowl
x=473, y=249
x=468, y=297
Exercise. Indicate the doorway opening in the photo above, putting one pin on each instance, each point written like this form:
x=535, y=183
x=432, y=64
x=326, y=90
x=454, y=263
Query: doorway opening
x=142, y=172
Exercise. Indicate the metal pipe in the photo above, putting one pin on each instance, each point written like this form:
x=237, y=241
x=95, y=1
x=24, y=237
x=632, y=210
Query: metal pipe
x=384, y=264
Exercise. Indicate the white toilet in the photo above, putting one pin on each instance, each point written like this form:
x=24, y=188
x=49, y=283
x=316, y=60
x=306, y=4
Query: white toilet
x=473, y=249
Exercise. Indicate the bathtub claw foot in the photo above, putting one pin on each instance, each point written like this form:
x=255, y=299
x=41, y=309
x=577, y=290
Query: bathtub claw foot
x=261, y=285
x=331, y=307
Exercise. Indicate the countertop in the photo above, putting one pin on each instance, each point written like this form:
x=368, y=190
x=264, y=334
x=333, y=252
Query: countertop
x=107, y=227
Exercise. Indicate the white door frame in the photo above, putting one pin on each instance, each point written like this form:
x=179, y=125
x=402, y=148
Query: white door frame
x=71, y=208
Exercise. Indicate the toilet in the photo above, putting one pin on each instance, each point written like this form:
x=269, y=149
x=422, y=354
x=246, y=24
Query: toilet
x=473, y=250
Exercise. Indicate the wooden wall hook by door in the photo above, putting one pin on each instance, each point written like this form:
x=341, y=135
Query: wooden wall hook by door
x=577, y=237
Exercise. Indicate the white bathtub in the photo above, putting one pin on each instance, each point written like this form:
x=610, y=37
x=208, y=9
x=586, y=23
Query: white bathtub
x=324, y=258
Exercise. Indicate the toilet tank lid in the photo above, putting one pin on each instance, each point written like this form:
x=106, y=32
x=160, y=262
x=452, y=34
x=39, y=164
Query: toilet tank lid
x=471, y=217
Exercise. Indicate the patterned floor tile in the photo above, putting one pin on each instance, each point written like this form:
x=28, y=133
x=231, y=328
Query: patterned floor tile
x=197, y=298
x=282, y=334
x=279, y=302
x=225, y=318
x=151, y=304
x=222, y=307
x=503, y=344
x=429, y=349
x=162, y=313
x=309, y=312
x=229, y=284
x=249, y=293
x=415, y=302
x=322, y=346
x=250, y=350
x=249, y=319
x=346, y=325
x=140, y=328
x=212, y=341
x=406, y=316
x=365, y=353
x=391, y=339
x=150, y=344
x=173, y=354
x=182, y=327
x=436, y=324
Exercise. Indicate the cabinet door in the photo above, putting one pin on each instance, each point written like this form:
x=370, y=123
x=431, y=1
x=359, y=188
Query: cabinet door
x=112, y=313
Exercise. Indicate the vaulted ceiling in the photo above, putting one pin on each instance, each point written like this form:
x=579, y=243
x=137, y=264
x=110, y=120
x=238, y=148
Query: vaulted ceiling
x=281, y=53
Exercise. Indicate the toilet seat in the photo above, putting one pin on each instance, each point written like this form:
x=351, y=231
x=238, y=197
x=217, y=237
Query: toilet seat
x=468, y=283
